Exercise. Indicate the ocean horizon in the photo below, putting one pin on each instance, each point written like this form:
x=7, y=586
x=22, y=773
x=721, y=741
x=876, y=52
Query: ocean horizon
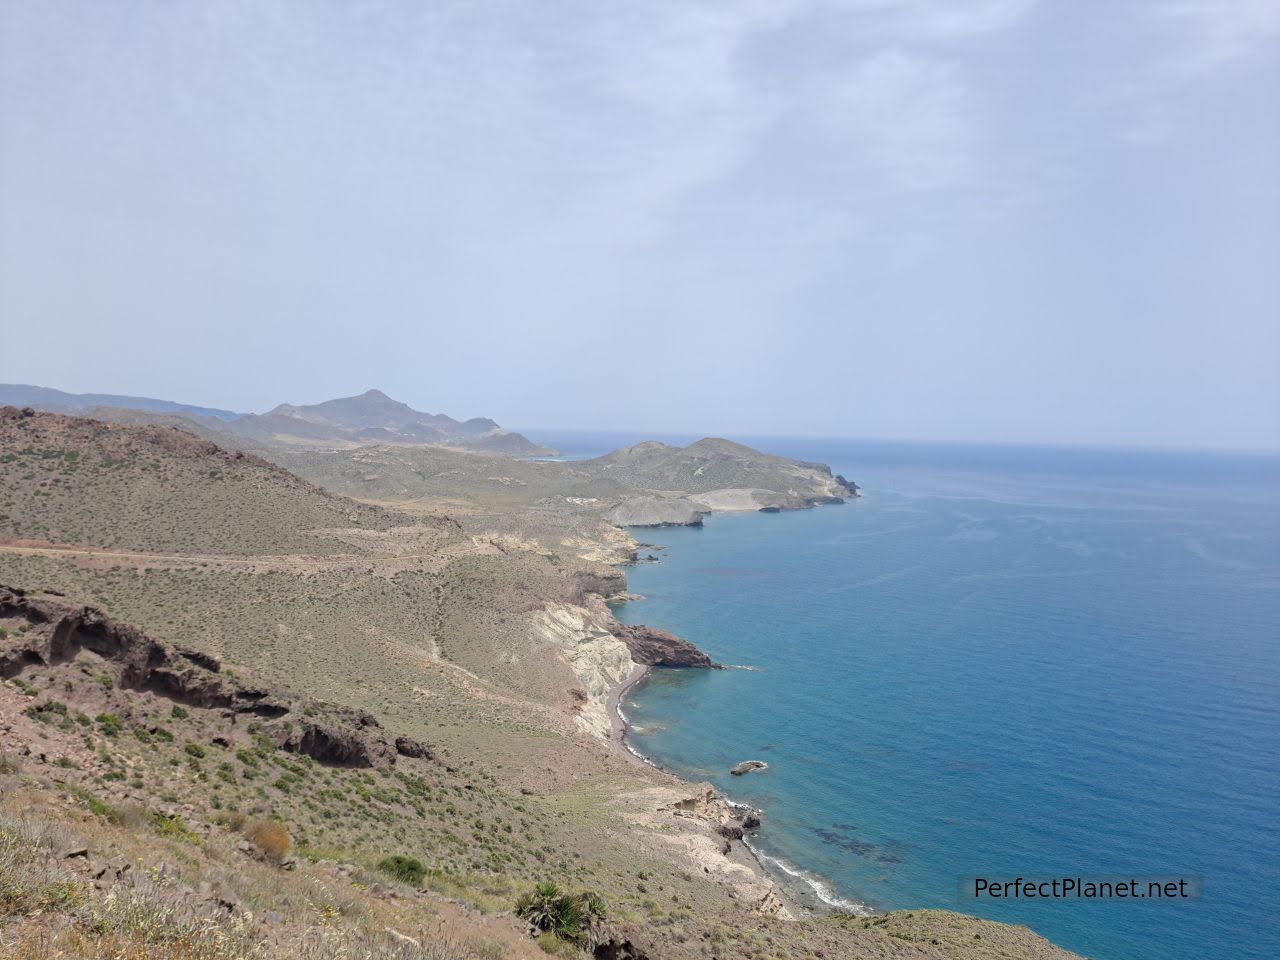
x=1000, y=661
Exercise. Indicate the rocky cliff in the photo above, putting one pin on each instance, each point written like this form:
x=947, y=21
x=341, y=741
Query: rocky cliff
x=658, y=648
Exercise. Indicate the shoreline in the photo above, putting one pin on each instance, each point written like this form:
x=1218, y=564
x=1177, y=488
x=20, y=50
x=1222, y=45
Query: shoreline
x=802, y=893
x=618, y=722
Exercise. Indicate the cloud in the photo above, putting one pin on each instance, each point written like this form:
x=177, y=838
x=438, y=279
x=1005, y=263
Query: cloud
x=959, y=18
x=1215, y=33
x=911, y=116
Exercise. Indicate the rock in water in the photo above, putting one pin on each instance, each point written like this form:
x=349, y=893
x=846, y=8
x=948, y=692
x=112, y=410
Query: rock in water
x=746, y=766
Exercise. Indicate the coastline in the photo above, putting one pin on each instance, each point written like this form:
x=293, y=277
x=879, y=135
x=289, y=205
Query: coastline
x=618, y=723
x=801, y=892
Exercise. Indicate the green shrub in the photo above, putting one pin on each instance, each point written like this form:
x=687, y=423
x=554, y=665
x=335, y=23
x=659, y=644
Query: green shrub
x=195, y=750
x=573, y=917
x=109, y=723
x=179, y=713
x=405, y=869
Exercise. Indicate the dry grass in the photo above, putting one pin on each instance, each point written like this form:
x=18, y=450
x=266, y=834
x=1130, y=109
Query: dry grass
x=270, y=837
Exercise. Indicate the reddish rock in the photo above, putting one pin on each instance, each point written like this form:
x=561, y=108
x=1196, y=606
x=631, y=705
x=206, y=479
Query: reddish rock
x=658, y=648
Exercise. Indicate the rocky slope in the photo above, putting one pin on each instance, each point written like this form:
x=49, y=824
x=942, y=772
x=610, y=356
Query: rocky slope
x=48, y=632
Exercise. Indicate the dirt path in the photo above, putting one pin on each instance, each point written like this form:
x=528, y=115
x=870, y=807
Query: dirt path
x=29, y=549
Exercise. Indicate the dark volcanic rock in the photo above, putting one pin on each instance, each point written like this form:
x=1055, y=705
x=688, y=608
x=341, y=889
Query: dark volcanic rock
x=333, y=745
x=408, y=747
x=658, y=648
x=57, y=631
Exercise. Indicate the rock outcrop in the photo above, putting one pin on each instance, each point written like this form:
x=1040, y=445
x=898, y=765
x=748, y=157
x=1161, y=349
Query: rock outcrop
x=658, y=648
x=657, y=512
x=748, y=766
x=46, y=630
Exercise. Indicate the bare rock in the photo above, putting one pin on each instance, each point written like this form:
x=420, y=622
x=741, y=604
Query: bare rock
x=657, y=512
x=658, y=648
x=408, y=747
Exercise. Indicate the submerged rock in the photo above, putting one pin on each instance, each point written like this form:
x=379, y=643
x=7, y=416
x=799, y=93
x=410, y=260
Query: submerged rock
x=747, y=766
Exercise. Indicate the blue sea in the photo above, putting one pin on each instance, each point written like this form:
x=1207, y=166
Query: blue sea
x=1000, y=661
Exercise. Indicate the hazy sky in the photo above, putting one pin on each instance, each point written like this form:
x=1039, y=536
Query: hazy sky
x=983, y=220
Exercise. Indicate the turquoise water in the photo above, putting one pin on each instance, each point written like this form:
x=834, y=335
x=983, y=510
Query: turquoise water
x=1005, y=661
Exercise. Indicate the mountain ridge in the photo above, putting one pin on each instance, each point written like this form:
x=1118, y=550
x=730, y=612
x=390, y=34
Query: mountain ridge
x=370, y=417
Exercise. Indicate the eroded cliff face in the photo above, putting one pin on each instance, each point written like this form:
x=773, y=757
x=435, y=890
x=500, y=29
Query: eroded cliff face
x=598, y=659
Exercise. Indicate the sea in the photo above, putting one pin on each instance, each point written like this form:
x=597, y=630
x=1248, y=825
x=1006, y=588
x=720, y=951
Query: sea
x=998, y=662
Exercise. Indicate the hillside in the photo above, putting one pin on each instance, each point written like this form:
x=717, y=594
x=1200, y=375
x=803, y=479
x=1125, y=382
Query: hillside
x=73, y=481
x=721, y=474
x=182, y=665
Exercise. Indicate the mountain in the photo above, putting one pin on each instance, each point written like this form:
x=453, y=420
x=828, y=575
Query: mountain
x=58, y=401
x=371, y=417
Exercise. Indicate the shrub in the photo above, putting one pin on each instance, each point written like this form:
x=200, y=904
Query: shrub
x=233, y=819
x=109, y=723
x=405, y=869
x=174, y=827
x=51, y=711
x=573, y=917
x=179, y=713
x=195, y=750
x=271, y=837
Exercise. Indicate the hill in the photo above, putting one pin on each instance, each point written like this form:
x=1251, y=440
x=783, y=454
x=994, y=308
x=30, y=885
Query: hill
x=71, y=481
x=370, y=418
x=327, y=725
x=373, y=417
x=58, y=401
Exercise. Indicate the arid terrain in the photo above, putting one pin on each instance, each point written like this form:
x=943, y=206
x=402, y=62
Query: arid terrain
x=351, y=697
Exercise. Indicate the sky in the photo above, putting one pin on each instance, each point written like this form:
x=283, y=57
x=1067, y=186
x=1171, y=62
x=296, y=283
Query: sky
x=975, y=220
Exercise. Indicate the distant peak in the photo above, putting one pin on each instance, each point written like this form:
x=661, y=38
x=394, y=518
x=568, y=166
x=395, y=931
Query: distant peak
x=374, y=394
